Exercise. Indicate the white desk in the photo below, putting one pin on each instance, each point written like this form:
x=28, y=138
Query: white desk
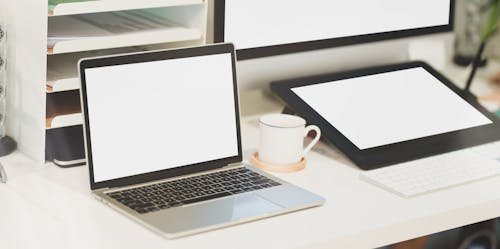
x=50, y=207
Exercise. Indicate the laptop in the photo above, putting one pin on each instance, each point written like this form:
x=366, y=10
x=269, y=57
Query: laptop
x=163, y=142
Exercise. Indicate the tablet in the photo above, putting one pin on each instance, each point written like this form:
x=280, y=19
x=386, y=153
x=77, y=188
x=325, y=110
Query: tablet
x=390, y=114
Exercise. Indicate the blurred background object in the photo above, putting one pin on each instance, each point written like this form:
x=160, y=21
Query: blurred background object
x=7, y=144
x=471, y=19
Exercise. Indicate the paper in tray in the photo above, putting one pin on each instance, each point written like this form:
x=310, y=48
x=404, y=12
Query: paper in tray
x=54, y=3
x=95, y=25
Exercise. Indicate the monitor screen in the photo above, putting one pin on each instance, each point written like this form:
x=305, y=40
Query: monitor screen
x=150, y=116
x=270, y=27
x=403, y=105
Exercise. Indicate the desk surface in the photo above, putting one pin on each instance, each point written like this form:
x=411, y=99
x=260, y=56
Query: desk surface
x=49, y=207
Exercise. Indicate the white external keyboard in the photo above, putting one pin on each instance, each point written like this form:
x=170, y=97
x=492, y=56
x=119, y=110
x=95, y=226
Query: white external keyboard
x=437, y=172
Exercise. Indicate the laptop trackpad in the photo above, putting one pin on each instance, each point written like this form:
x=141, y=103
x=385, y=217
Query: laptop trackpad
x=250, y=205
x=211, y=213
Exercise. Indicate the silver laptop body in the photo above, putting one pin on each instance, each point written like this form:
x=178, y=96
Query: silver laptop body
x=136, y=165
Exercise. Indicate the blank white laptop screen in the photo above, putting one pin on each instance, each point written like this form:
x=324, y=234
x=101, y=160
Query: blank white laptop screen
x=259, y=23
x=157, y=115
x=391, y=107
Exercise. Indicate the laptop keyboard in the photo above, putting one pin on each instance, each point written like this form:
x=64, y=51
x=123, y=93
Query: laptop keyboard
x=191, y=190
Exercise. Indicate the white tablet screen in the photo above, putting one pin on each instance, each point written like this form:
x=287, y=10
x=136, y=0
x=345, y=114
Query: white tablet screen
x=391, y=107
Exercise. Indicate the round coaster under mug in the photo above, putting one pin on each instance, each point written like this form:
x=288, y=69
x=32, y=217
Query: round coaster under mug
x=287, y=168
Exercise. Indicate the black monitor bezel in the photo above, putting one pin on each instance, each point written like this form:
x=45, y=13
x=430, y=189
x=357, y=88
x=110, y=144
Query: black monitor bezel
x=156, y=56
x=386, y=155
x=252, y=53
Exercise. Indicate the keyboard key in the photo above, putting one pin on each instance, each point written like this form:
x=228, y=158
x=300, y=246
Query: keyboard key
x=257, y=178
x=141, y=206
x=132, y=203
x=246, y=184
x=178, y=198
x=207, y=197
x=259, y=182
x=125, y=200
x=273, y=183
x=218, y=190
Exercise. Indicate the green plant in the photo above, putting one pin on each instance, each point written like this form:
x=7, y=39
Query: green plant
x=492, y=22
x=490, y=29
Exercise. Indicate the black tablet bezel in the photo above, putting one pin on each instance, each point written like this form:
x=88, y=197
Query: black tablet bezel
x=257, y=52
x=397, y=152
x=157, y=56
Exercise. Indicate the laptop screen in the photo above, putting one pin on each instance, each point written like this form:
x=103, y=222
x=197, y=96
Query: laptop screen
x=149, y=116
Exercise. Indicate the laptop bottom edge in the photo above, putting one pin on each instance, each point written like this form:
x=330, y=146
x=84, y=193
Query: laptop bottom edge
x=220, y=213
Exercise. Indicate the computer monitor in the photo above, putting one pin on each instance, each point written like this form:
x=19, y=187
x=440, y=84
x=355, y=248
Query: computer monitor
x=303, y=37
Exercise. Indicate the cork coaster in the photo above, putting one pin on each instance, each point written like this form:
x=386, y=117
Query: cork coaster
x=287, y=168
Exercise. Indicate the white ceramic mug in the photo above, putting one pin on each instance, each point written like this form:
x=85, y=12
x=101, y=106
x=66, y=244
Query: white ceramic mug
x=282, y=139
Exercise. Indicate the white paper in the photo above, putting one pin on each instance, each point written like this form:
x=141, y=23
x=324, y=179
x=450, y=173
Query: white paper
x=66, y=28
x=391, y=107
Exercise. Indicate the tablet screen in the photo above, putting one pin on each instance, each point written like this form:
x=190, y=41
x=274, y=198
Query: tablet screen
x=391, y=107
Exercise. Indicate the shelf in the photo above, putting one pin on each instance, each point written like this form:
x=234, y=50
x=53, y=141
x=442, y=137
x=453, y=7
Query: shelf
x=62, y=73
x=64, y=121
x=86, y=7
x=63, y=109
x=146, y=38
x=62, y=85
x=97, y=31
x=62, y=70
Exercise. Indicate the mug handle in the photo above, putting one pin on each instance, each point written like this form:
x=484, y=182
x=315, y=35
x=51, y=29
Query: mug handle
x=314, y=141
